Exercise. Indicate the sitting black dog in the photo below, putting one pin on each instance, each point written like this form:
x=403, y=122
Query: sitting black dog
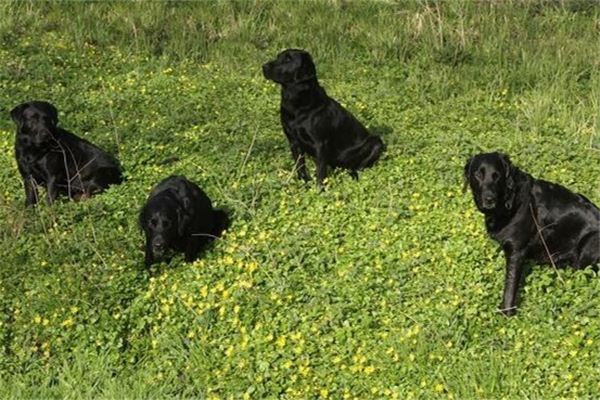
x=178, y=216
x=57, y=159
x=316, y=124
x=532, y=219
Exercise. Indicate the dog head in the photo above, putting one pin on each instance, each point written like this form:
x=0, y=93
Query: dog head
x=491, y=178
x=36, y=122
x=164, y=223
x=290, y=66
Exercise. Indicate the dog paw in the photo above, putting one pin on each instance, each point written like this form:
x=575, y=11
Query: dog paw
x=507, y=311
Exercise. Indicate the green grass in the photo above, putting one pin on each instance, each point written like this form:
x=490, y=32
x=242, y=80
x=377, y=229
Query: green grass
x=382, y=288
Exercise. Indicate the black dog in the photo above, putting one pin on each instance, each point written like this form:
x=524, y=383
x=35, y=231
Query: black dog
x=532, y=219
x=316, y=124
x=57, y=159
x=179, y=216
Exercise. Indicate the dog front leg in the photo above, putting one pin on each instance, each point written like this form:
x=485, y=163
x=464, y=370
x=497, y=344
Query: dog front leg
x=321, y=161
x=299, y=162
x=52, y=191
x=149, y=255
x=514, y=261
x=31, y=192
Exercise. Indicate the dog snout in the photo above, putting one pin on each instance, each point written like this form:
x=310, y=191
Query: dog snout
x=488, y=199
x=266, y=69
x=42, y=136
x=158, y=243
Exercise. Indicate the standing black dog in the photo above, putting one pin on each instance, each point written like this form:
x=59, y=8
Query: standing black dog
x=57, y=159
x=316, y=124
x=179, y=216
x=532, y=219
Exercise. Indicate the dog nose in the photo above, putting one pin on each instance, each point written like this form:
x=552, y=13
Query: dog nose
x=488, y=198
x=42, y=135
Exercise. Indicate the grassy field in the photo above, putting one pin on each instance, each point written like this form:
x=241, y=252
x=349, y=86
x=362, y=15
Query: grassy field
x=386, y=287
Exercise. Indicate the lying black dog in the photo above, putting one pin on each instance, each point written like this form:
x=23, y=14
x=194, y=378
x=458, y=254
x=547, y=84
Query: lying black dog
x=314, y=123
x=532, y=219
x=57, y=159
x=178, y=216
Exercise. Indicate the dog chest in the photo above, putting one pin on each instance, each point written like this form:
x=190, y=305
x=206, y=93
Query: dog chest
x=307, y=141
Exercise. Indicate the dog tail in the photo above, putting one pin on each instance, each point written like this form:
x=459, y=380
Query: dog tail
x=221, y=222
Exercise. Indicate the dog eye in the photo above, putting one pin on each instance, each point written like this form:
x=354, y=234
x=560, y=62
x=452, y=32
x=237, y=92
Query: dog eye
x=495, y=176
x=479, y=175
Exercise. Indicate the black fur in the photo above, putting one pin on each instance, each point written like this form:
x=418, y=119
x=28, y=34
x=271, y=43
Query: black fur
x=315, y=124
x=178, y=216
x=517, y=207
x=56, y=159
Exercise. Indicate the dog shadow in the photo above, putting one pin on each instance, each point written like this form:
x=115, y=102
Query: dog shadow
x=529, y=267
x=381, y=130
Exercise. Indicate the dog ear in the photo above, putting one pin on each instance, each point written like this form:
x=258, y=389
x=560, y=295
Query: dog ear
x=182, y=221
x=307, y=70
x=509, y=181
x=50, y=109
x=53, y=114
x=467, y=174
x=142, y=219
x=17, y=113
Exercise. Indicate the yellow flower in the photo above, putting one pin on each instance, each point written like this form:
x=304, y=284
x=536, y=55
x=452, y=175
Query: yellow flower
x=304, y=370
x=369, y=370
x=67, y=323
x=245, y=284
x=324, y=393
x=252, y=266
x=573, y=353
x=281, y=341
